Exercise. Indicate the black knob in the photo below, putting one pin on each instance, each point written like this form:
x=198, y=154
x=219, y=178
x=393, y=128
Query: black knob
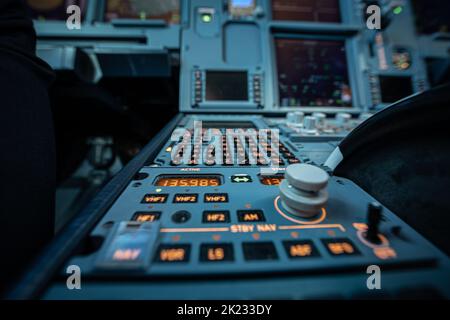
x=374, y=218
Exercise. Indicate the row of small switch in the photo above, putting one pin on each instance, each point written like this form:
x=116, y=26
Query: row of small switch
x=185, y=198
x=209, y=216
x=255, y=251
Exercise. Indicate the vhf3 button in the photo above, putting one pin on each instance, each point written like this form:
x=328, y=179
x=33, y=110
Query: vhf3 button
x=215, y=197
x=300, y=249
x=216, y=252
x=250, y=216
x=340, y=247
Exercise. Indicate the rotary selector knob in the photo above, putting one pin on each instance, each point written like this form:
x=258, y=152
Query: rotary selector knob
x=303, y=193
x=320, y=118
x=343, y=118
x=309, y=125
x=295, y=118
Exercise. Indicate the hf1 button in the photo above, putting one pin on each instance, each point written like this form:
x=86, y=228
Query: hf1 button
x=216, y=252
x=340, y=247
x=250, y=216
x=185, y=198
x=300, y=249
x=216, y=197
x=173, y=253
x=146, y=216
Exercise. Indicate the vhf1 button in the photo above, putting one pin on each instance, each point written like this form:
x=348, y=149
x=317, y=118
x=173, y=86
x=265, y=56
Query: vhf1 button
x=173, y=253
x=250, y=216
x=340, y=247
x=155, y=198
x=300, y=249
x=216, y=216
x=241, y=178
x=216, y=197
x=216, y=252
x=185, y=198
x=146, y=216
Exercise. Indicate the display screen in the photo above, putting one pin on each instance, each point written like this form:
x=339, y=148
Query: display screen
x=432, y=16
x=312, y=73
x=395, y=88
x=274, y=180
x=188, y=181
x=167, y=10
x=53, y=9
x=306, y=10
x=226, y=86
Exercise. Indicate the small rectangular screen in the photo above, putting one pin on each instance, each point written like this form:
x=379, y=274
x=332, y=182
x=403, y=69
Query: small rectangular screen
x=226, y=86
x=432, y=16
x=167, y=10
x=307, y=10
x=188, y=181
x=273, y=180
x=395, y=88
x=312, y=73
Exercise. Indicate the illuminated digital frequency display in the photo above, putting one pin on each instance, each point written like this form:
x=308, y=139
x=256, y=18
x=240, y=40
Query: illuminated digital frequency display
x=188, y=181
x=312, y=73
x=306, y=10
x=271, y=180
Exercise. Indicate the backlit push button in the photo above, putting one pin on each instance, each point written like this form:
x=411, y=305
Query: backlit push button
x=146, y=216
x=340, y=247
x=216, y=197
x=300, y=249
x=250, y=216
x=155, y=198
x=173, y=253
x=259, y=251
x=216, y=216
x=216, y=252
x=185, y=198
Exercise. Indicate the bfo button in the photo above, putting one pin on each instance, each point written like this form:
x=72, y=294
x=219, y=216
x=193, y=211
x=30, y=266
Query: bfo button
x=340, y=247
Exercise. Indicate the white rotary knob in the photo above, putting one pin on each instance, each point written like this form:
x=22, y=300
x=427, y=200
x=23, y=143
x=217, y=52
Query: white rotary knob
x=303, y=192
x=295, y=118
